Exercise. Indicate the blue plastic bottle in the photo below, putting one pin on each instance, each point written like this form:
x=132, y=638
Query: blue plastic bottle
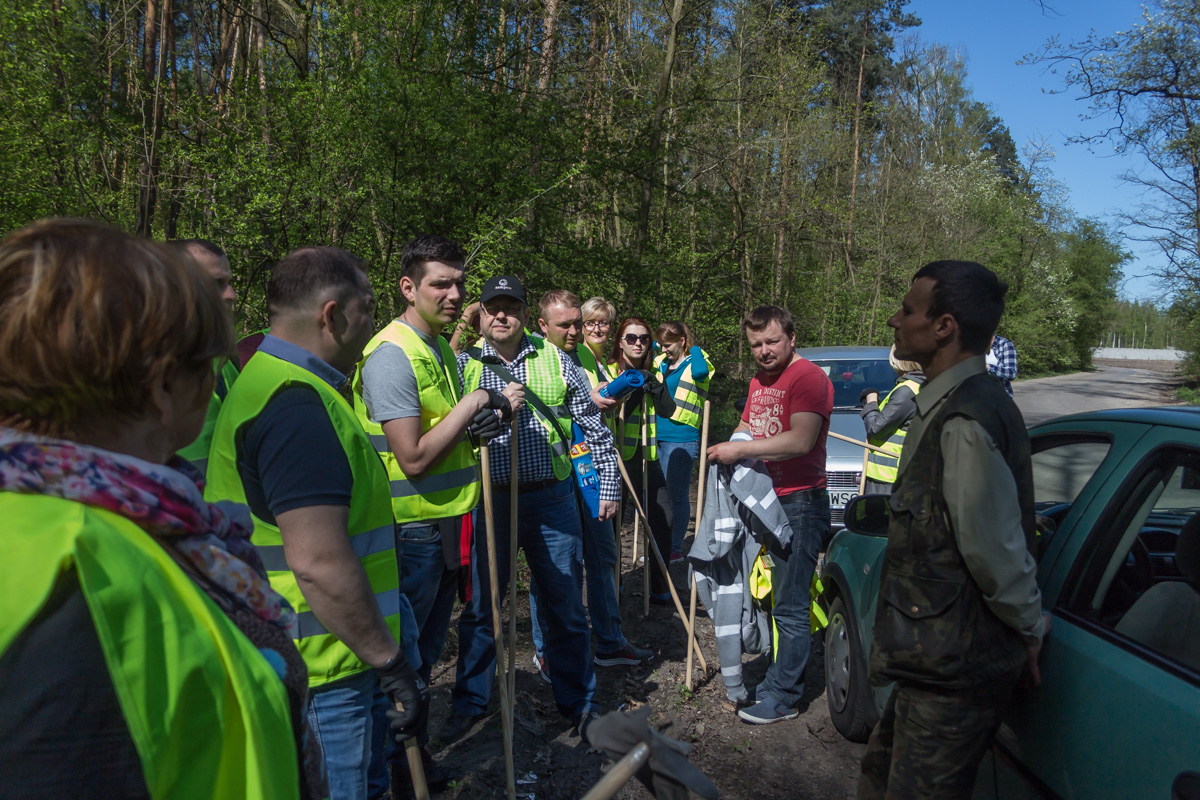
x=585, y=472
x=625, y=383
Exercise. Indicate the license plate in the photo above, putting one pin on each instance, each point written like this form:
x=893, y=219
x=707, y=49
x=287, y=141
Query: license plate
x=838, y=498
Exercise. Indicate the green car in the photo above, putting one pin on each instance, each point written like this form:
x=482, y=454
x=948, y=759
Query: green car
x=1118, y=711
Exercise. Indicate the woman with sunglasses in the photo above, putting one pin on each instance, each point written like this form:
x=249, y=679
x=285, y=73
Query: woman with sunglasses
x=631, y=350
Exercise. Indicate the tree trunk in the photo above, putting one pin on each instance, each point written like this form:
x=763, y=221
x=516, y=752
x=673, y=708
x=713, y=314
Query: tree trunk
x=862, y=60
x=549, y=46
x=656, y=125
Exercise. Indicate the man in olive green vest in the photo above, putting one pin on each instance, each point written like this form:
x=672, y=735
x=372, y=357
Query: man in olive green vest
x=407, y=397
x=959, y=616
x=287, y=444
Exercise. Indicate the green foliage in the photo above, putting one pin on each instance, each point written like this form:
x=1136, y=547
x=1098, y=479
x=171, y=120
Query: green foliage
x=527, y=132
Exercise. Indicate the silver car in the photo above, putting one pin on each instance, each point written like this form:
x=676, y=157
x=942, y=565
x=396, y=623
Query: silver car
x=851, y=369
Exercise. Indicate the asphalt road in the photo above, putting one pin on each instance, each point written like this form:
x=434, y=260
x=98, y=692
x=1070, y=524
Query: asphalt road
x=1108, y=387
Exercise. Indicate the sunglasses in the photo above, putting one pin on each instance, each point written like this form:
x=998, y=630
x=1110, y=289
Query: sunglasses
x=633, y=338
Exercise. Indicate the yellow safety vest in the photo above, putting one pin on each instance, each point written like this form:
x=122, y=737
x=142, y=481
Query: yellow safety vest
x=450, y=487
x=882, y=468
x=197, y=452
x=631, y=434
x=371, y=525
x=690, y=393
x=207, y=713
x=543, y=377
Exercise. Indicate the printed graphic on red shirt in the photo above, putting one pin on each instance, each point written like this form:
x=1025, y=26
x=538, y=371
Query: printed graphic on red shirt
x=803, y=386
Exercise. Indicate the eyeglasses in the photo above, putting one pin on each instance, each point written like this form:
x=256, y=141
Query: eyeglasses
x=633, y=338
x=597, y=324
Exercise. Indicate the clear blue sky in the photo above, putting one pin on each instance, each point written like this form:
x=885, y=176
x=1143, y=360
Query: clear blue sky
x=993, y=36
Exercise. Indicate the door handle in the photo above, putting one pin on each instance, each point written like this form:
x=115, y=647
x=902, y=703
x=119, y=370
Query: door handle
x=1186, y=786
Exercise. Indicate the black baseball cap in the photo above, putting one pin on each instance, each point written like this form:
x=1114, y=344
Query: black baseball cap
x=502, y=286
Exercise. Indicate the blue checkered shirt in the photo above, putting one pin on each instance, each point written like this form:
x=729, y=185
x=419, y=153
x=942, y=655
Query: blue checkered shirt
x=1002, y=362
x=534, y=461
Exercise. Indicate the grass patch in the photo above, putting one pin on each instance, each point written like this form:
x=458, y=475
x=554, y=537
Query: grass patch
x=1189, y=393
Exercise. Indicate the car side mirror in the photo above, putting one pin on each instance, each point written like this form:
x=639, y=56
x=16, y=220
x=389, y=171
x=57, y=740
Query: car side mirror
x=868, y=515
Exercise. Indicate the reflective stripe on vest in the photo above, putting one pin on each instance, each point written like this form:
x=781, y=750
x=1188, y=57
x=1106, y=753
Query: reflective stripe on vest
x=365, y=544
x=690, y=394
x=370, y=504
x=206, y=711
x=631, y=432
x=543, y=377
x=883, y=468
x=451, y=487
x=591, y=368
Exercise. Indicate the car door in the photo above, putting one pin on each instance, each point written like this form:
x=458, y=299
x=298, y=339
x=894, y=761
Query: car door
x=1113, y=718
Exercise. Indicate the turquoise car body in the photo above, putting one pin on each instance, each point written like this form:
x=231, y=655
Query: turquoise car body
x=1112, y=719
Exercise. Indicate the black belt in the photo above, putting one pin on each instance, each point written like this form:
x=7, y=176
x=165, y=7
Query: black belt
x=803, y=494
x=528, y=486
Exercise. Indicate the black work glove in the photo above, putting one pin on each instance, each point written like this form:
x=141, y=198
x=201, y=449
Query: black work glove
x=485, y=425
x=667, y=774
x=407, y=695
x=498, y=402
x=649, y=376
x=862, y=396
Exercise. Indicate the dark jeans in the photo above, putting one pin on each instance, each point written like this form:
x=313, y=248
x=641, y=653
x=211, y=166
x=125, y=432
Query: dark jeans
x=678, y=459
x=929, y=744
x=552, y=538
x=600, y=557
x=808, y=513
x=659, y=512
x=430, y=589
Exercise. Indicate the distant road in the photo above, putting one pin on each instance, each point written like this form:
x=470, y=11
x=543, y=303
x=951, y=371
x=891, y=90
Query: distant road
x=1109, y=387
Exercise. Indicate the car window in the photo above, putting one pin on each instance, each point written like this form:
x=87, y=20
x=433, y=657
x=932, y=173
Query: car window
x=850, y=376
x=1062, y=466
x=1137, y=581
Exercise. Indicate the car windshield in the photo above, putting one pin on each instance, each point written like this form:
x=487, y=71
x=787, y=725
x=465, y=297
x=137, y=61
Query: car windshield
x=851, y=375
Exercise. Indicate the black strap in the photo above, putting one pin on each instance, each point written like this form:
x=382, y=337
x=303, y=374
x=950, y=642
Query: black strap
x=530, y=395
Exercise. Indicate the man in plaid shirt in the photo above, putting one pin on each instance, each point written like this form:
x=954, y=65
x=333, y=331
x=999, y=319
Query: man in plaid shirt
x=1002, y=362
x=550, y=530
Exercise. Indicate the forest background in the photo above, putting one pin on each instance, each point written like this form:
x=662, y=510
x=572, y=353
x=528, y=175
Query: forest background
x=687, y=159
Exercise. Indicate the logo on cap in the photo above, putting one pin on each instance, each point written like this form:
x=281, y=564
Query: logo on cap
x=503, y=283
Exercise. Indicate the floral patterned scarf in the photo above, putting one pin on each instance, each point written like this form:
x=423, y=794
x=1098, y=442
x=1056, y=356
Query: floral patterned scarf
x=166, y=501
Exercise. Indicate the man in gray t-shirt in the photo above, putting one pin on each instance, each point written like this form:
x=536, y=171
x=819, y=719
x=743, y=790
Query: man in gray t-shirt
x=430, y=465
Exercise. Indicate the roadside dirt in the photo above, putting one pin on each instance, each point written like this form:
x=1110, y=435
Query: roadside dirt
x=802, y=758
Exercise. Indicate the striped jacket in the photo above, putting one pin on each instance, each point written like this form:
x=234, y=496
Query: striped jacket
x=741, y=514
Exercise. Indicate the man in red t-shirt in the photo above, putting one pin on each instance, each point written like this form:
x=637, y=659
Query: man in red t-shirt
x=787, y=413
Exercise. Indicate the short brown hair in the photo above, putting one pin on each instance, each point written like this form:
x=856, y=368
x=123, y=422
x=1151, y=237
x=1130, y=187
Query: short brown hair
x=92, y=318
x=763, y=316
x=302, y=274
x=671, y=332
x=557, y=297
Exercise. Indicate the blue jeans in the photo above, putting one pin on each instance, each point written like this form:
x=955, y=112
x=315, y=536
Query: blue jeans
x=430, y=589
x=677, y=459
x=349, y=720
x=808, y=514
x=552, y=538
x=600, y=559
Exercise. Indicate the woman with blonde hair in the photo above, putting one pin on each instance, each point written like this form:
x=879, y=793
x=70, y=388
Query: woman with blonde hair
x=143, y=652
x=631, y=350
x=887, y=422
x=599, y=316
